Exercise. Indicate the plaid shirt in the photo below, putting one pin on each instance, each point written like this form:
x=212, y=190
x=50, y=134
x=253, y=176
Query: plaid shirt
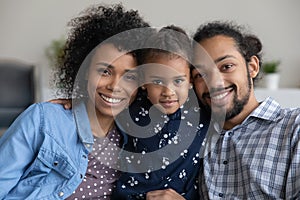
x=258, y=159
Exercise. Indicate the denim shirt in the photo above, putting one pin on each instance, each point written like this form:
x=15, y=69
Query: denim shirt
x=44, y=153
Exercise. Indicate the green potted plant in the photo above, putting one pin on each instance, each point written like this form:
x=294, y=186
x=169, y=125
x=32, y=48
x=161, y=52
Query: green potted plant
x=55, y=51
x=271, y=74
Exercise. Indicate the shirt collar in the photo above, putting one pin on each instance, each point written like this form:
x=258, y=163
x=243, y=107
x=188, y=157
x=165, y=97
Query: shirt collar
x=268, y=109
x=83, y=123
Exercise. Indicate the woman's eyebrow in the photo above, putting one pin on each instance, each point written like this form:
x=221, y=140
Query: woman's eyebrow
x=111, y=67
x=105, y=64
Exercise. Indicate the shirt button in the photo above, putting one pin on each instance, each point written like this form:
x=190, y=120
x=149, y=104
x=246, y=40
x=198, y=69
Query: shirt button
x=55, y=163
x=61, y=194
x=84, y=156
x=88, y=145
x=81, y=176
x=230, y=133
x=221, y=195
x=225, y=162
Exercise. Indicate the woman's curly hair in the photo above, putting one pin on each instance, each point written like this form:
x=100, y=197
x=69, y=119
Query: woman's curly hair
x=92, y=27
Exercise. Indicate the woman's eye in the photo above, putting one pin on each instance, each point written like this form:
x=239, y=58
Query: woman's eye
x=103, y=72
x=131, y=77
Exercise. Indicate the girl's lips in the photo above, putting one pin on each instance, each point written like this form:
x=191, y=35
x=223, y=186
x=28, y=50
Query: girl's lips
x=168, y=103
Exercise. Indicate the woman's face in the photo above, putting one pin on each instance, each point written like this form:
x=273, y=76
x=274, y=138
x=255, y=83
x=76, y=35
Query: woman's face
x=112, y=80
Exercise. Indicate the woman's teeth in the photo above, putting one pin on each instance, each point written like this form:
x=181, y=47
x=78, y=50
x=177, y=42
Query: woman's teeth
x=111, y=100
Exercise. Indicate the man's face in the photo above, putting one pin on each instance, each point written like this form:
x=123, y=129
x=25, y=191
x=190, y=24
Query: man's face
x=222, y=81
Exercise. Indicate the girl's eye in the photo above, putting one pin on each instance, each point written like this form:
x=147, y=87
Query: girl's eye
x=178, y=81
x=157, y=82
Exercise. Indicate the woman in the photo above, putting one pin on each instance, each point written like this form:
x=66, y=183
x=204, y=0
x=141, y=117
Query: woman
x=53, y=153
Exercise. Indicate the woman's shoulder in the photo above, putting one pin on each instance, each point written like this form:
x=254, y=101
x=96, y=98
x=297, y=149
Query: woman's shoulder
x=46, y=111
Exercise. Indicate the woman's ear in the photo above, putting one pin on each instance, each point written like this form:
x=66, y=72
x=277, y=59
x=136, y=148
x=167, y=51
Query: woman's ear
x=191, y=86
x=143, y=87
x=253, y=66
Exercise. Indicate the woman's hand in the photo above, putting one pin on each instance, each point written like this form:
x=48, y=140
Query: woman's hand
x=66, y=103
x=167, y=194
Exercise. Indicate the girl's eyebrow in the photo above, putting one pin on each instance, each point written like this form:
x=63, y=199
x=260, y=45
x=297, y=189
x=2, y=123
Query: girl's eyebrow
x=180, y=76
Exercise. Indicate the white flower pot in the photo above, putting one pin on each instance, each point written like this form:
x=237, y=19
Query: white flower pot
x=272, y=81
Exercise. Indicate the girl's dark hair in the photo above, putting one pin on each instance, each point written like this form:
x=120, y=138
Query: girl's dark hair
x=170, y=40
x=93, y=26
x=247, y=44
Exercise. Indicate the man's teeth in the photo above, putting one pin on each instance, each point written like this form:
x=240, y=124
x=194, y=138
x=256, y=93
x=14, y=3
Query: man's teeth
x=220, y=96
x=111, y=100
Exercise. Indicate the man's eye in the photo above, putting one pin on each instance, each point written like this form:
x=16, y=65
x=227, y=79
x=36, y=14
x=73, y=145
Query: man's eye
x=227, y=67
x=199, y=75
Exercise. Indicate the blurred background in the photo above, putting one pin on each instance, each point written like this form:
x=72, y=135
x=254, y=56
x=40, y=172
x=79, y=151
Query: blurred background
x=28, y=28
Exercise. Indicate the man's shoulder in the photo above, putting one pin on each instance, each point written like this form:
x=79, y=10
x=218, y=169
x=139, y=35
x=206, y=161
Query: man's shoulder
x=293, y=114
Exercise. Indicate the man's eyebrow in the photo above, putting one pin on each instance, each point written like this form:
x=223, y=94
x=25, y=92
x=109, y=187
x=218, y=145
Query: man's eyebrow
x=200, y=66
x=223, y=58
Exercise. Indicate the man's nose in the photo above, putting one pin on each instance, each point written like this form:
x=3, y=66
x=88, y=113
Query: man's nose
x=215, y=79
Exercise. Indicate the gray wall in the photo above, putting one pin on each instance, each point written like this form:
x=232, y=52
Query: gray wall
x=27, y=27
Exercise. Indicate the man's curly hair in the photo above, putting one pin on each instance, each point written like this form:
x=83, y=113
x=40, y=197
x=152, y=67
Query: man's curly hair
x=93, y=26
x=248, y=44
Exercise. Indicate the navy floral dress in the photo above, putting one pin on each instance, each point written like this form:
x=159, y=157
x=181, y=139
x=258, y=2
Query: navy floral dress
x=161, y=151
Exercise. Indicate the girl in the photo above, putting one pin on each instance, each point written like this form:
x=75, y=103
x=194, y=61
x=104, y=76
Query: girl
x=164, y=135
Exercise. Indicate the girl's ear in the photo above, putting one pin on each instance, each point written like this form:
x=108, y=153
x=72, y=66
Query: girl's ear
x=253, y=66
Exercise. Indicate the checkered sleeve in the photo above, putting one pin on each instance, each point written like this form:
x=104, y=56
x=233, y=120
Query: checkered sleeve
x=293, y=179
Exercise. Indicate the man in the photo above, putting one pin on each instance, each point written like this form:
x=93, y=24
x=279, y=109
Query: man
x=256, y=154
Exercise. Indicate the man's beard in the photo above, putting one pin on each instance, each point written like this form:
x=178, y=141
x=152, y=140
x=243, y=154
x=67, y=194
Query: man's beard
x=238, y=105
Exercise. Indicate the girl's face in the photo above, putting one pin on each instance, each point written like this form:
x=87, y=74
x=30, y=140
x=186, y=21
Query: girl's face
x=167, y=81
x=112, y=80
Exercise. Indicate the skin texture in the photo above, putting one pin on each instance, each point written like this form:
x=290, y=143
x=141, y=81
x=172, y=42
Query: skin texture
x=168, y=194
x=224, y=83
x=167, y=82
